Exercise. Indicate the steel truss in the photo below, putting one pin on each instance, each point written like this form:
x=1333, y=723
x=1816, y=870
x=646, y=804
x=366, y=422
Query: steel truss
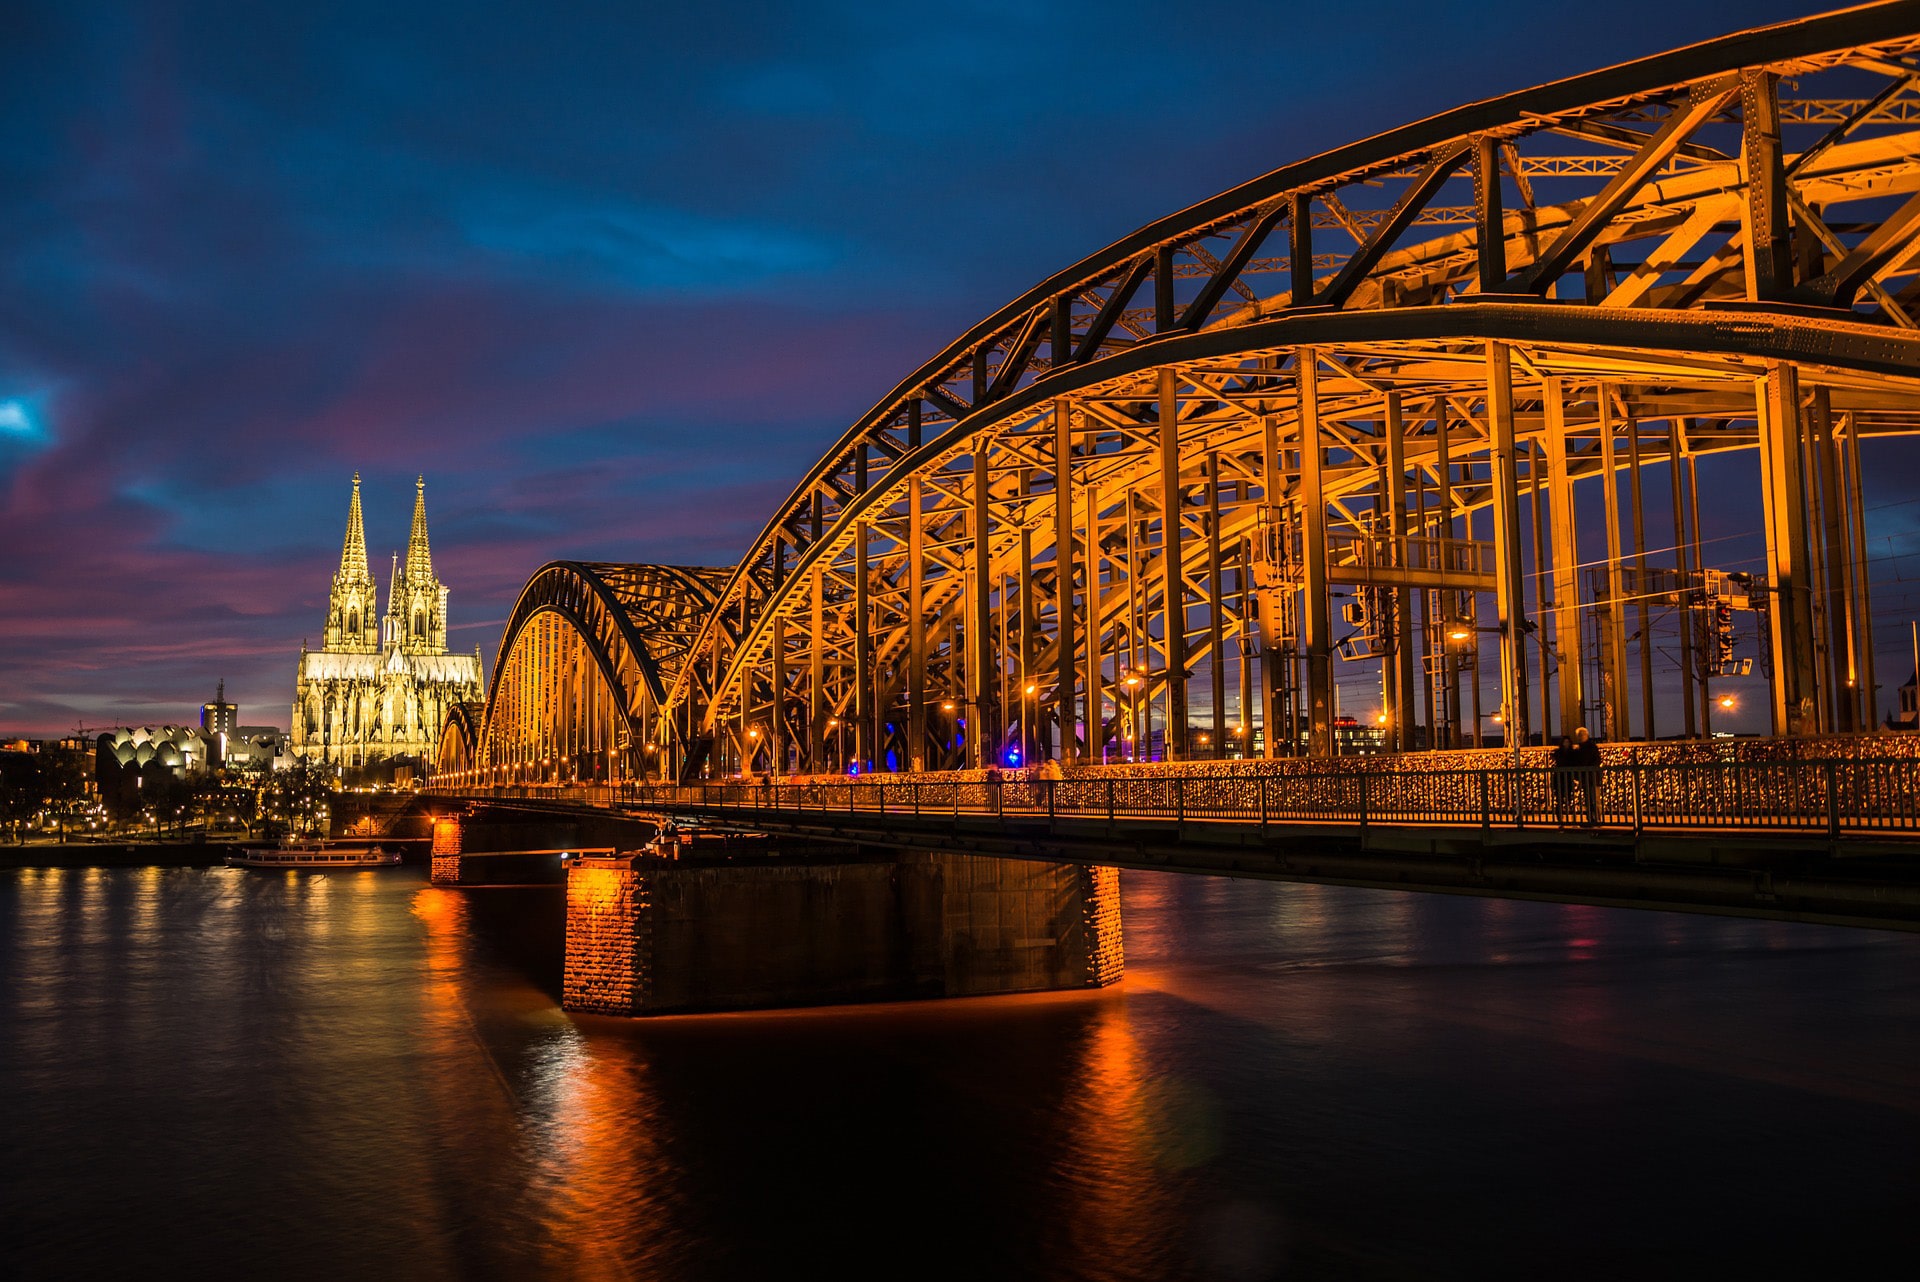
x=1158, y=465
x=587, y=657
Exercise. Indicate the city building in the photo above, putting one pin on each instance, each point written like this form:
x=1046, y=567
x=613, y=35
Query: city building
x=380, y=689
x=219, y=717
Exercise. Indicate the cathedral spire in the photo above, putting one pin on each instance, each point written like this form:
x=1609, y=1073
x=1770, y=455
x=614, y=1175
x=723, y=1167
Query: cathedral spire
x=419, y=556
x=353, y=552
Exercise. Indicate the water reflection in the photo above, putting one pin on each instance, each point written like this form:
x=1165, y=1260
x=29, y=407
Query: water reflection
x=359, y=1073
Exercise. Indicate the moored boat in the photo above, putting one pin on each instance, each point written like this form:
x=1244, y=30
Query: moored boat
x=313, y=854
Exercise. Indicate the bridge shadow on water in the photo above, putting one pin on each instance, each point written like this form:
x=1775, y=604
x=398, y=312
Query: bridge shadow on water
x=522, y=929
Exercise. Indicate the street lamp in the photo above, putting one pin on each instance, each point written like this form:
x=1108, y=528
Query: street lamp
x=1133, y=682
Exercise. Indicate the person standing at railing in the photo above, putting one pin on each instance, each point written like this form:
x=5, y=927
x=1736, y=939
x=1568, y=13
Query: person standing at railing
x=1562, y=778
x=1586, y=769
x=993, y=788
x=1045, y=777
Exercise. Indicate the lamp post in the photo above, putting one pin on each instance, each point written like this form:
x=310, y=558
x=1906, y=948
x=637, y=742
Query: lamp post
x=1134, y=681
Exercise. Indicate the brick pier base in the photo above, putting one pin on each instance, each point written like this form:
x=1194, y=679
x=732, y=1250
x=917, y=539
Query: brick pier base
x=646, y=936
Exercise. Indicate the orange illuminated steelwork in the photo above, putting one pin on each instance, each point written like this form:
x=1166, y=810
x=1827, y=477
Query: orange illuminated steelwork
x=1385, y=374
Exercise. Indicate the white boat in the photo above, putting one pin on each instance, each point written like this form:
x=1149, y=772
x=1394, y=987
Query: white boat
x=313, y=854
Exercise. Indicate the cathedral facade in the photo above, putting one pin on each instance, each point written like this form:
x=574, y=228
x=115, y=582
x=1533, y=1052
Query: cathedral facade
x=379, y=687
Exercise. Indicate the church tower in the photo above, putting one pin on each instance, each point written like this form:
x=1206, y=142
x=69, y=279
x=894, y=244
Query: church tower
x=418, y=600
x=353, y=612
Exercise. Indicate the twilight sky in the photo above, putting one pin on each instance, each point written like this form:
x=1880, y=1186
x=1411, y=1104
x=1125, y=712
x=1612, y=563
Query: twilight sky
x=611, y=276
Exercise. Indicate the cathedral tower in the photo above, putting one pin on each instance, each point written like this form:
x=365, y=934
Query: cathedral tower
x=419, y=600
x=353, y=611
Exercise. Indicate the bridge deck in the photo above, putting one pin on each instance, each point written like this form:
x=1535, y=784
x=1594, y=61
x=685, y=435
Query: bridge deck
x=1835, y=841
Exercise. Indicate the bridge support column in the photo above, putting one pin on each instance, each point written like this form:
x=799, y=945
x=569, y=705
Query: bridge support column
x=1398, y=683
x=1313, y=499
x=1566, y=561
x=1173, y=585
x=445, y=851
x=1506, y=544
x=1789, y=560
x=646, y=936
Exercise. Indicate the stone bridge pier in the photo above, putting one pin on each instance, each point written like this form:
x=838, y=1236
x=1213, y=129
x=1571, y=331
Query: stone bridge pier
x=647, y=935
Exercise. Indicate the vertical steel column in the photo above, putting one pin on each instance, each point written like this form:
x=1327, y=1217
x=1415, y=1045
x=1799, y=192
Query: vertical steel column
x=1216, y=628
x=1541, y=591
x=1400, y=642
x=1093, y=626
x=1028, y=686
x=865, y=741
x=1243, y=578
x=1642, y=622
x=1868, y=693
x=1566, y=559
x=1783, y=487
x=1300, y=248
x=1676, y=449
x=1508, y=576
x=1173, y=584
x=1063, y=692
x=1135, y=641
x=1613, y=624
x=817, y=675
x=980, y=684
x=1449, y=665
x=1836, y=615
x=1318, y=627
x=1489, y=229
x=1271, y=591
x=777, y=722
x=1699, y=565
x=916, y=631
x=1763, y=217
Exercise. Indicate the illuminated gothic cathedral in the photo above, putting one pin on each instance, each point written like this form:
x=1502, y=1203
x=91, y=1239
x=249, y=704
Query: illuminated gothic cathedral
x=379, y=689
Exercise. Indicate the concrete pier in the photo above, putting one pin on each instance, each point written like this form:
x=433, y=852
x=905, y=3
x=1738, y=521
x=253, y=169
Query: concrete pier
x=648, y=936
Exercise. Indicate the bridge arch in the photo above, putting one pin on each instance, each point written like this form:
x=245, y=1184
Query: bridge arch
x=461, y=739
x=1463, y=324
x=591, y=647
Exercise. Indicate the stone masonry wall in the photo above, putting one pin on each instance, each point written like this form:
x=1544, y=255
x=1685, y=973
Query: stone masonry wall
x=646, y=937
x=1100, y=900
x=608, y=968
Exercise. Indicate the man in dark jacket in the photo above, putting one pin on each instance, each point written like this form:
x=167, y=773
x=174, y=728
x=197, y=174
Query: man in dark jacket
x=1562, y=778
x=1586, y=766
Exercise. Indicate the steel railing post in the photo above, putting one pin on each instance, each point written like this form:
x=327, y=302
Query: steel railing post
x=1833, y=799
x=1486, y=806
x=1261, y=787
x=1179, y=800
x=1109, y=801
x=1363, y=806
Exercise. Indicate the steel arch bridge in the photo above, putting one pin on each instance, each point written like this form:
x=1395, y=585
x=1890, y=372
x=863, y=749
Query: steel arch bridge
x=1129, y=496
x=585, y=664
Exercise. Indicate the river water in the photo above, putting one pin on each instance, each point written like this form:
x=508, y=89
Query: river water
x=358, y=1075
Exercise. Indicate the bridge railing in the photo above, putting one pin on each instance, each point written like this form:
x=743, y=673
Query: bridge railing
x=1834, y=797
